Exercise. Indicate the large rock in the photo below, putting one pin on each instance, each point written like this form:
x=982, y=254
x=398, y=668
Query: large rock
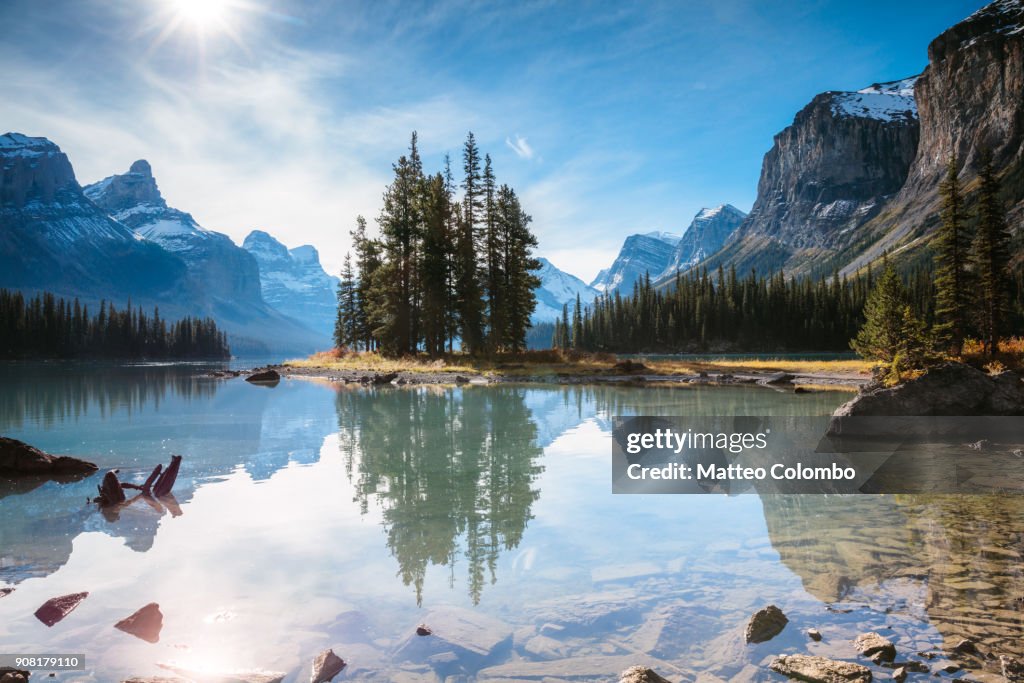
x=9, y=675
x=640, y=674
x=765, y=624
x=18, y=458
x=264, y=377
x=145, y=624
x=952, y=389
x=873, y=644
x=820, y=669
x=55, y=609
x=326, y=666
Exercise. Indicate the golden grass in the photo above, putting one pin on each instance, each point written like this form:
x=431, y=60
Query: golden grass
x=1010, y=355
x=553, y=362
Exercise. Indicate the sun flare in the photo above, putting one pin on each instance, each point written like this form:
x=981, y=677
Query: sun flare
x=203, y=14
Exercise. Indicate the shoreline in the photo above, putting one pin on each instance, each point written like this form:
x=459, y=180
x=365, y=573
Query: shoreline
x=696, y=374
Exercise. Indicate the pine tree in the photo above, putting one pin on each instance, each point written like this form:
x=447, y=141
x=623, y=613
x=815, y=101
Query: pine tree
x=953, y=292
x=990, y=257
x=891, y=332
x=345, y=326
x=434, y=279
x=519, y=284
x=469, y=300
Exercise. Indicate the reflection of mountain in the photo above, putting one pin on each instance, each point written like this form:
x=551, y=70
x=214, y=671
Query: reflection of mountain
x=964, y=550
x=444, y=465
x=131, y=418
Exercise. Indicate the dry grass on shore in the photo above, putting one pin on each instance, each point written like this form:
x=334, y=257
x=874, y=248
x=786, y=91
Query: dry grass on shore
x=554, y=362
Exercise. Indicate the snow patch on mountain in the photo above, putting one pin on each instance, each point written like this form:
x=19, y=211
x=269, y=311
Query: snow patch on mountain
x=640, y=255
x=883, y=101
x=706, y=234
x=558, y=288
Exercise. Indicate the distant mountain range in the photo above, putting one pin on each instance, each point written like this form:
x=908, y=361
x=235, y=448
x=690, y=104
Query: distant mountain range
x=293, y=280
x=119, y=240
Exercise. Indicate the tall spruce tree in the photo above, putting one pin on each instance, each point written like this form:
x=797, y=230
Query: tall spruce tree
x=990, y=257
x=519, y=284
x=953, y=292
x=468, y=294
x=434, y=278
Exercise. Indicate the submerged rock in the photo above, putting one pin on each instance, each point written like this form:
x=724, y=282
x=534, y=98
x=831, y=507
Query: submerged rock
x=814, y=634
x=9, y=675
x=326, y=666
x=19, y=458
x=145, y=624
x=264, y=377
x=952, y=389
x=1013, y=669
x=423, y=630
x=765, y=624
x=872, y=644
x=820, y=669
x=55, y=609
x=640, y=674
x=465, y=632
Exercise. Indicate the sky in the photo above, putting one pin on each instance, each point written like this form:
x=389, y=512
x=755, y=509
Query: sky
x=608, y=118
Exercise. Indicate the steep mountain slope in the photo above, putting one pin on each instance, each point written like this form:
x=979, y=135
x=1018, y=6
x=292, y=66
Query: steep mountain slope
x=970, y=96
x=640, y=254
x=842, y=159
x=54, y=238
x=294, y=281
x=223, y=280
x=556, y=289
x=705, y=235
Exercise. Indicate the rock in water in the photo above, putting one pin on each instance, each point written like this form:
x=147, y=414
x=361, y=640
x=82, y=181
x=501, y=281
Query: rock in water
x=468, y=634
x=777, y=378
x=17, y=457
x=146, y=623
x=640, y=674
x=765, y=624
x=385, y=378
x=4, y=592
x=871, y=644
x=423, y=630
x=326, y=666
x=952, y=389
x=9, y=675
x=264, y=377
x=820, y=669
x=814, y=634
x=55, y=609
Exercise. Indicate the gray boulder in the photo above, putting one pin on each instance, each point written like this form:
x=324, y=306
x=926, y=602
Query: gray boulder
x=640, y=674
x=820, y=669
x=952, y=389
x=765, y=624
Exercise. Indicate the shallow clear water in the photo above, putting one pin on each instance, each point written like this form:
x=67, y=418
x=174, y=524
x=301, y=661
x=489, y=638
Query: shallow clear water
x=313, y=515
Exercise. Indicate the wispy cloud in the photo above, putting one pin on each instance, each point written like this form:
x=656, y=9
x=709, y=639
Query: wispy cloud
x=520, y=146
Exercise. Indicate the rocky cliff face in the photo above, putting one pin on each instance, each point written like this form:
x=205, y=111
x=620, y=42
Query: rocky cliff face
x=971, y=95
x=221, y=269
x=845, y=155
x=706, y=234
x=293, y=281
x=640, y=255
x=54, y=238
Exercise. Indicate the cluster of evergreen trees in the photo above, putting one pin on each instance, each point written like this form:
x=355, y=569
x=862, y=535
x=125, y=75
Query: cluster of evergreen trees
x=50, y=327
x=969, y=289
x=724, y=311
x=974, y=286
x=444, y=268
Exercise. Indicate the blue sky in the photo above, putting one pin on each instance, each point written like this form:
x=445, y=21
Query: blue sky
x=608, y=118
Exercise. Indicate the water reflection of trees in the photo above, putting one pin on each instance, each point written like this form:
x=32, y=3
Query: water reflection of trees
x=55, y=393
x=964, y=550
x=452, y=470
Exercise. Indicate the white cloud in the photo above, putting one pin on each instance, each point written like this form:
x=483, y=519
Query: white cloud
x=521, y=147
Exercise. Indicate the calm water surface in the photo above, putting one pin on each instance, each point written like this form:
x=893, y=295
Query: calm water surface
x=313, y=515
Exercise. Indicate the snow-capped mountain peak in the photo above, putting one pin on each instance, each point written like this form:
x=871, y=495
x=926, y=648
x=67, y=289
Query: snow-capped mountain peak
x=558, y=287
x=883, y=101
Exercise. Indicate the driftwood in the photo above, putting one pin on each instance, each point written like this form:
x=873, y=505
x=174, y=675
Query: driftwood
x=158, y=484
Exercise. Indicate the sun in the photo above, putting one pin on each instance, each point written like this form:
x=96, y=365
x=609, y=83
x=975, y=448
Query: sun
x=203, y=15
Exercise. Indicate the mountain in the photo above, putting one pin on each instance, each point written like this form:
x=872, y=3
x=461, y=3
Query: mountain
x=223, y=279
x=706, y=234
x=294, y=281
x=556, y=289
x=54, y=238
x=845, y=155
x=640, y=254
x=969, y=97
